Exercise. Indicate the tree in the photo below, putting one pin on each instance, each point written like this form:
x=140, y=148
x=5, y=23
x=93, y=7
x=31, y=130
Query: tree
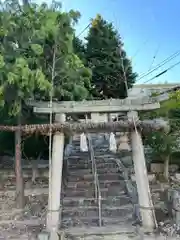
x=18, y=78
x=79, y=48
x=71, y=79
x=36, y=52
x=108, y=61
x=164, y=144
x=45, y=39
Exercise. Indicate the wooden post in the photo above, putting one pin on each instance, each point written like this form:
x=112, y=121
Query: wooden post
x=144, y=195
x=20, y=201
x=55, y=181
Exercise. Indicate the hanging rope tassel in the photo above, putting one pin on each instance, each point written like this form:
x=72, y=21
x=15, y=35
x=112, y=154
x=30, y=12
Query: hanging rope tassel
x=112, y=143
x=83, y=143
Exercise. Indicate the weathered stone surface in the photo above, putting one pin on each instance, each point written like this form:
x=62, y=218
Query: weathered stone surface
x=127, y=160
x=43, y=236
x=109, y=176
x=173, y=168
x=80, y=205
x=177, y=176
x=151, y=177
x=90, y=183
x=109, y=201
x=159, y=168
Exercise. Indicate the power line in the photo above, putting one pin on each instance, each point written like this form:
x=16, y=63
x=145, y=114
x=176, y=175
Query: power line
x=163, y=72
x=140, y=48
x=84, y=30
x=176, y=54
x=160, y=64
x=154, y=57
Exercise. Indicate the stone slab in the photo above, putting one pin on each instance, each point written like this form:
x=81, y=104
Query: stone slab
x=151, y=177
x=27, y=192
x=159, y=167
x=105, y=230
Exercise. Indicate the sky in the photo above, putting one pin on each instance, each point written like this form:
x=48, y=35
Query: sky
x=148, y=28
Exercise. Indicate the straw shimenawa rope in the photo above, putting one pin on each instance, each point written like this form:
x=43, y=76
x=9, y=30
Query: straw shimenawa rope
x=145, y=126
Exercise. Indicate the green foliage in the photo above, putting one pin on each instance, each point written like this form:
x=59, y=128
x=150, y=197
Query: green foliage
x=59, y=62
x=106, y=57
x=74, y=81
x=19, y=49
x=79, y=48
x=162, y=144
x=165, y=144
x=37, y=49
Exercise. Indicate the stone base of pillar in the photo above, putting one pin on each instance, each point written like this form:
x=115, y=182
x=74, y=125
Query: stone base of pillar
x=44, y=236
x=54, y=236
x=48, y=236
x=53, y=220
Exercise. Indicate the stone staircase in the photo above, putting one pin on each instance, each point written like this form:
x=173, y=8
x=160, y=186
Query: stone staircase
x=80, y=214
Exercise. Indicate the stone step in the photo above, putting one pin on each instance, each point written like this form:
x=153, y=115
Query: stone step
x=111, y=232
x=103, y=184
x=77, y=153
x=101, y=146
x=91, y=193
x=80, y=172
x=71, y=192
x=98, y=152
x=90, y=177
x=68, y=222
x=92, y=211
x=84, y=157
x=109, y=201
x=87, y=165
x=101, y=139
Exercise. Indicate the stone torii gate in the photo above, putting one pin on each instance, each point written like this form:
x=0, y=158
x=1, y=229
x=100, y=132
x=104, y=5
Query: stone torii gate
x=97, y=109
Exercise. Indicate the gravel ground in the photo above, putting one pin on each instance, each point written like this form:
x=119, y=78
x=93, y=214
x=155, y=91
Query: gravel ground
x=22, y=225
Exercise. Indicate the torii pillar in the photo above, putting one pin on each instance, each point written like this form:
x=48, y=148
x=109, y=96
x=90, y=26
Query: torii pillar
x=55, y=181
x=144, y=195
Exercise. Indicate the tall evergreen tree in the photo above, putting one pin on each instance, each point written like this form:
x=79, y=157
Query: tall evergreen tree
x=108, y=61
x=79, y=48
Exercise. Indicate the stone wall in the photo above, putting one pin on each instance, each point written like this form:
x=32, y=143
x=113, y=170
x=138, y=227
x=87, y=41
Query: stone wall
x=159, y=168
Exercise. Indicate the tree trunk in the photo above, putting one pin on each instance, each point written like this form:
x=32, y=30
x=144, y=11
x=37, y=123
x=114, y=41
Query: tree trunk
x=166, y=168
x=18, y=167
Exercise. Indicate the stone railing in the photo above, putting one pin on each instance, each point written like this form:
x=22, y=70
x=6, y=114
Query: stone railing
x=98, y=196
